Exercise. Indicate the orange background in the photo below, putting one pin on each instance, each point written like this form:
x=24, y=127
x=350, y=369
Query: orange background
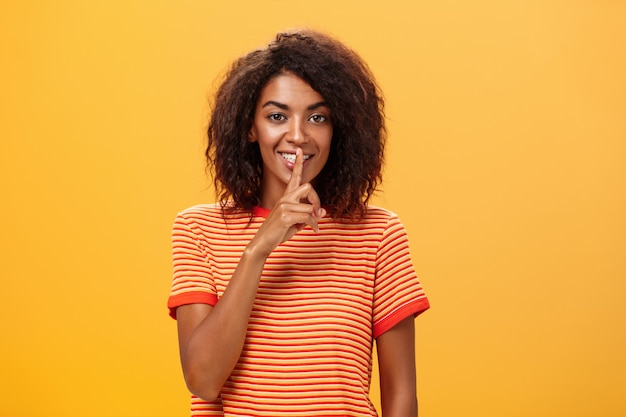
x=507, y=163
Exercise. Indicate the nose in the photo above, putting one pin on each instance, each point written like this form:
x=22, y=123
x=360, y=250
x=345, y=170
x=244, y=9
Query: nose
x=297, y=133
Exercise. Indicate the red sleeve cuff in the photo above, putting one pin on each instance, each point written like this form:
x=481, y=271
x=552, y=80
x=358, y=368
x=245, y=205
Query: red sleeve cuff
x=414, y=308
x=196, y=297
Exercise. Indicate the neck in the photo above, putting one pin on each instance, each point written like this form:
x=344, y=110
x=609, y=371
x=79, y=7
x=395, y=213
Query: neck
x=270, y=196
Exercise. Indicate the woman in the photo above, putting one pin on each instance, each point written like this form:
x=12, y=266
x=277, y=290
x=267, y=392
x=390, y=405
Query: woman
x=282, y=287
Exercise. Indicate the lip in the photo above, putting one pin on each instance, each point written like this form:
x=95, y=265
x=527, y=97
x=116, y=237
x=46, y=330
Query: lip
x=290, y=164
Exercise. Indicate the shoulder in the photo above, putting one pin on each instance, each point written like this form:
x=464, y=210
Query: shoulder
x=201, y=210
x=212, y=216
x=380, y=212
x=374, y=224
x=385, y=220
x=379, y=216
x=200, y=214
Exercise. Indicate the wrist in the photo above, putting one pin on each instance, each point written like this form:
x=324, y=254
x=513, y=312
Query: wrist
x=254, y=252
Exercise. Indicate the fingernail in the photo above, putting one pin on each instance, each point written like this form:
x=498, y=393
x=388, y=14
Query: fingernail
x=321, y=212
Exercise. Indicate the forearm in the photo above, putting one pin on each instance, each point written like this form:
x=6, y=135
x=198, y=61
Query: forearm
x=214, y=346
x=399, y=404
x=396, y=361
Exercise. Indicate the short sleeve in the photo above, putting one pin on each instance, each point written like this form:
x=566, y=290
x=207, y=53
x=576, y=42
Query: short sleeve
x=192, y=279
x=398, y=292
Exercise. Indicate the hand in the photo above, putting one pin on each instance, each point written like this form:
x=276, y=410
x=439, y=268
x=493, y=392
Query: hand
x=299, y=206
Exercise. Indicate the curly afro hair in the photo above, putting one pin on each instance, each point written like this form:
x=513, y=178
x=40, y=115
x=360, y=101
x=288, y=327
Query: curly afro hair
x=354, y=167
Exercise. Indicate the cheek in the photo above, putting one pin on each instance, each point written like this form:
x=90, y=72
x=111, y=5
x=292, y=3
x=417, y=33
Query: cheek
x=268, y=135
x=328, y=142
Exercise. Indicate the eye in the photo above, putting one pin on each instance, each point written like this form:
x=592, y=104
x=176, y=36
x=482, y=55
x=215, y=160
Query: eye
x=276, y=117
x=318, y=118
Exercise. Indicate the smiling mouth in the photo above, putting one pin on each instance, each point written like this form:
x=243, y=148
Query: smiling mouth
x=291, y=157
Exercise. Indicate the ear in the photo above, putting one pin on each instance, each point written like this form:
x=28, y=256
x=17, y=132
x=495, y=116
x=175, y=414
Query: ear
x=252, y=136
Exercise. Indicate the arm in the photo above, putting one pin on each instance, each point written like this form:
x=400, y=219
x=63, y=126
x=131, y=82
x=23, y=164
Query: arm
x=396, y=362
x=211, y=338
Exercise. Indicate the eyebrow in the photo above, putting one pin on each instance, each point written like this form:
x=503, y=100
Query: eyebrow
x=286, y=107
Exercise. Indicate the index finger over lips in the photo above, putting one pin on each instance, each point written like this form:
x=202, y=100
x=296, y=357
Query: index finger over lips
x=296, y=173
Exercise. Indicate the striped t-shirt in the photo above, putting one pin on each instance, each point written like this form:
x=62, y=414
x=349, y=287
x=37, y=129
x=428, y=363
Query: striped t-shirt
x=322, y=299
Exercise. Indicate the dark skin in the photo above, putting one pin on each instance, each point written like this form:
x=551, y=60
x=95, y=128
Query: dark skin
x=207, y=360
x=396, y=365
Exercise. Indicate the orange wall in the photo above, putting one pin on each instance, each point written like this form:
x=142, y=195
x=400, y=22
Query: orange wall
x=507, y=163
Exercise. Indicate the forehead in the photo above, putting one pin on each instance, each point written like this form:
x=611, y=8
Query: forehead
x=287, y=87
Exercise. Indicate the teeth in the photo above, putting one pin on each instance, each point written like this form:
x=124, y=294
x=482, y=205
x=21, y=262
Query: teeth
x=291, y=157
